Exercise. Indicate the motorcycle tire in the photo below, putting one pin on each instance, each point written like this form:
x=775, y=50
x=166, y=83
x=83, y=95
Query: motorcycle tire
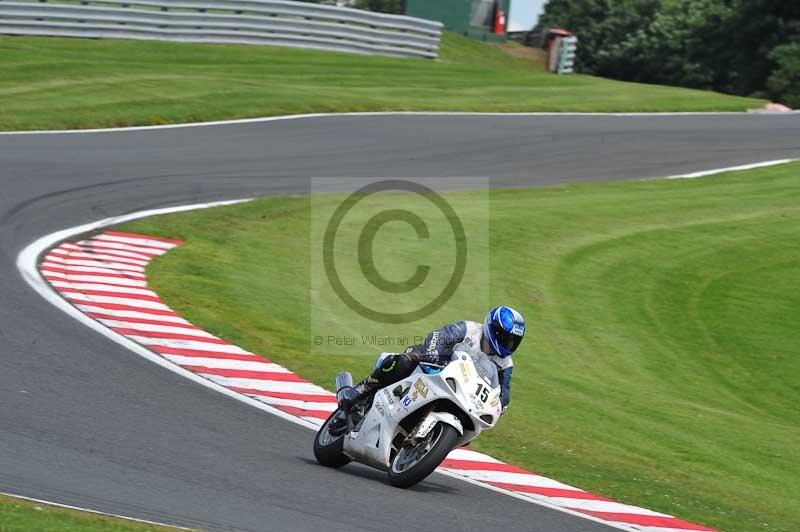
x=444, y=443
x=329, y=450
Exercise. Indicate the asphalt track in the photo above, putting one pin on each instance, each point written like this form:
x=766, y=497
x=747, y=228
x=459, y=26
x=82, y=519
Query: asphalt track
x=87, y=423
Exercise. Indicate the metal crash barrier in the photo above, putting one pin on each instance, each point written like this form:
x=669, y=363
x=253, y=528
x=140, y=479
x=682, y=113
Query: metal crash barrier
x=266, y=22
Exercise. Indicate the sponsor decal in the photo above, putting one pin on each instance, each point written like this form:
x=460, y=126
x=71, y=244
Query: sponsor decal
x=434, y=341
x=380, y=409
x=420, y=387
x=468, y=370
x=407, y=400
x=388, y=396
x=464, y=370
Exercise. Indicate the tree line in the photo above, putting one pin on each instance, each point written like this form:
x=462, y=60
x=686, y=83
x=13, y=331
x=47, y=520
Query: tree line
x=744, y=47
x=396, y=7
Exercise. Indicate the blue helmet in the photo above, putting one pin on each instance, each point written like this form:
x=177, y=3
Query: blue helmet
x=504, y=328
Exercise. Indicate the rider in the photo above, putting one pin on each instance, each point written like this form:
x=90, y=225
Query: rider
x=498, y=336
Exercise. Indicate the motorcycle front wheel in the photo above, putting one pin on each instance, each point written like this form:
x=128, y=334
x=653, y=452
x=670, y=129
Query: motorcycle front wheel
x=328, y=449
x=412, y=464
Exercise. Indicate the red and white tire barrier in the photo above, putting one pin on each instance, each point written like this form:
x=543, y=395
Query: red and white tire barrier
x=104, y=277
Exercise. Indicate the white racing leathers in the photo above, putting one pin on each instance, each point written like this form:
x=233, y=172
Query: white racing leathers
x=441, y=342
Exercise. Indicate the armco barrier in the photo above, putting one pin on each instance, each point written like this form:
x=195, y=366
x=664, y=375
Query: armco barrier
x=272, y=22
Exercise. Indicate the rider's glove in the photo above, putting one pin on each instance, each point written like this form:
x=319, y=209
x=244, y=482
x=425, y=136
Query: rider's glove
x=413, y=356
x=431, y=357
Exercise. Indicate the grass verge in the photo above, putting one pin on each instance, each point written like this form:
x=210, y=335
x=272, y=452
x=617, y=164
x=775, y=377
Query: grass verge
x=57, y=83
x=19, y=515
x=662, y=362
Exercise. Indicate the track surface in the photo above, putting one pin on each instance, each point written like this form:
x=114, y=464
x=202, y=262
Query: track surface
x=85, y=422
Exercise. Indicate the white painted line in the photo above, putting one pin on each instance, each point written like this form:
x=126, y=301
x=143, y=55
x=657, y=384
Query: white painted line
x=226, y=363
x=603, y=506
x=73, y=270
x=466, y=454
x=114, y=266
x=374, y=114
x=137, y=243
x=97, y=254
x=731, y=169
x=98, y=279
x=521, y=479
x=540, y=502
x=93, y=246
x=92, y=286
x=305, y=405
x=89, y=510
x=314, y=421
x=87, y=307
x=97, y=245
x=661, y=529
x=68, y=253
x=196, y=345
x=266, y=385
x=88, y=300
x=150, y=328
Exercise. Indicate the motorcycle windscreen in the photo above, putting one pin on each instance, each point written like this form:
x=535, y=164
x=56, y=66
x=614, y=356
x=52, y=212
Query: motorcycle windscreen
x=485, y=368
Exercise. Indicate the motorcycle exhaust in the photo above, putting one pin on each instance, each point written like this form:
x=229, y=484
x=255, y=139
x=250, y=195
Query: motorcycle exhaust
x=344, y=380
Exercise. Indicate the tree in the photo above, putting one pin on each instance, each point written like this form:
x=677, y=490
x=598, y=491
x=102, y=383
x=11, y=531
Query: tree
x=733, y=46
x=784, y=83
x=583, y=18
x=383, y=6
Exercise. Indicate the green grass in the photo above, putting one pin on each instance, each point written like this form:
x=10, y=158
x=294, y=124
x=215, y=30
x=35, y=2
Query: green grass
x=56, y=83
x=18, y=515
x=662, y=362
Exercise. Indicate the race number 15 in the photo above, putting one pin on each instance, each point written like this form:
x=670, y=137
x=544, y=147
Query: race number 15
x=482, y=393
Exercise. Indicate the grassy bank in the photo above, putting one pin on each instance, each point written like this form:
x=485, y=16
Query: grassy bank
x=18, y=515
x=55, y=83
x=662, y=361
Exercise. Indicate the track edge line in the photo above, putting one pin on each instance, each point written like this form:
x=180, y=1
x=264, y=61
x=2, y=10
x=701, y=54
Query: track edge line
x=90, y=511
x=276, y=118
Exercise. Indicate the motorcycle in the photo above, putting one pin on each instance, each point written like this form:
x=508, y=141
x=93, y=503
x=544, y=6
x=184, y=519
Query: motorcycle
x=409, y=427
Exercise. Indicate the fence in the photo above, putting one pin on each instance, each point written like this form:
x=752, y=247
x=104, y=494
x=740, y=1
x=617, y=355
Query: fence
x=272, y=22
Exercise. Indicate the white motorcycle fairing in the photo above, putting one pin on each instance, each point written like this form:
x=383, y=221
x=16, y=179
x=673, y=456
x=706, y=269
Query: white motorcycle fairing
x=465, y=395
x=434, y=417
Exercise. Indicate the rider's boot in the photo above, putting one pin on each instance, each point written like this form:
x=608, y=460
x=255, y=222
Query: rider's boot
x=390, y=368
x=350, y=396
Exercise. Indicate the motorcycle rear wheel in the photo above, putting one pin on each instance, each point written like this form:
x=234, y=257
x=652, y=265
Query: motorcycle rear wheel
x=328, y=449
x=412, y=465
